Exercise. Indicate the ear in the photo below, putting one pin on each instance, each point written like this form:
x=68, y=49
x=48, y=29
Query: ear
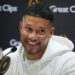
x=21, y=25
x=52, y=31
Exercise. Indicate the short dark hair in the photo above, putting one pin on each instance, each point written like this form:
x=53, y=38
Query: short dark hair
x=39, y=10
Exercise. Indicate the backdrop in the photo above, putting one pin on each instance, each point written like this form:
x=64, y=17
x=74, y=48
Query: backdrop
x=11, y=14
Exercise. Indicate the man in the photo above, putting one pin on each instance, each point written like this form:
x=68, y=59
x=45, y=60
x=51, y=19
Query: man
x=41, y=52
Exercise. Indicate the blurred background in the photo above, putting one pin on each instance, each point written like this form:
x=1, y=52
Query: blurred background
x=11, y=12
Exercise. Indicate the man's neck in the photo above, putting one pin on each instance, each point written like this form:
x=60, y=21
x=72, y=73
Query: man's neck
x=35, y=56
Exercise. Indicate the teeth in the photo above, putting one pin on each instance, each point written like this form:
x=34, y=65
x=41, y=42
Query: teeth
x=32, y=43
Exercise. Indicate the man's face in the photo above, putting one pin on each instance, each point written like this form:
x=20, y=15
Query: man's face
x=35, y=34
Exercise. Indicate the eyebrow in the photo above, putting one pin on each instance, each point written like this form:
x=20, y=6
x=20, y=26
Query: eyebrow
x=42, y=28
x=28, y=24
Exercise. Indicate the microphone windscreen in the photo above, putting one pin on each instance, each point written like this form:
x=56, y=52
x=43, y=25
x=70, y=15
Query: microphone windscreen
x=13, y=49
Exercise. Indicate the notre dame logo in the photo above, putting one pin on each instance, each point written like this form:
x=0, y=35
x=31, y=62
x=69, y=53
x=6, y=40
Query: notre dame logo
x=30, y=2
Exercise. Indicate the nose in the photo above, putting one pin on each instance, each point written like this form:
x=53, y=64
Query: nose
x=33, y=36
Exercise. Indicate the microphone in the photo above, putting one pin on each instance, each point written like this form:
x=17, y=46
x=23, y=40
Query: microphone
x=5, y=61
x=12, y=50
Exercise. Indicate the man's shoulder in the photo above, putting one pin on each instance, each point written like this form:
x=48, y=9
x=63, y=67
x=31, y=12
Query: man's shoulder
x=65, y=60
x=67, y=56
x=65, y=63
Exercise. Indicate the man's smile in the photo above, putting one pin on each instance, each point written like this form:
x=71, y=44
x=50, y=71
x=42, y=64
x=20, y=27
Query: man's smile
x=30, y=43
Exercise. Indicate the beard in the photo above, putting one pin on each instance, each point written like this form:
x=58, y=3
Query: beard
x=39, y=48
